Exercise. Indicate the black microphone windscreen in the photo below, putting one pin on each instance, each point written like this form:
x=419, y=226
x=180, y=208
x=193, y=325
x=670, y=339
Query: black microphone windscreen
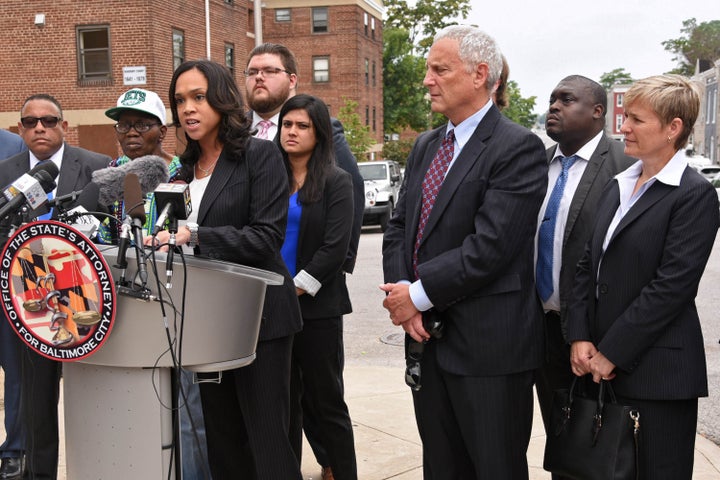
x=45, y=179
x=151, y=171
x=49, y=167
x=134, y=201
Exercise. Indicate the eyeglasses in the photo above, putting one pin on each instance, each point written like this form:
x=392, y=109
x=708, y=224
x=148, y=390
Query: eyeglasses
x=414, y=353
x=140, y=127
x=47, y=121
x=267, y=72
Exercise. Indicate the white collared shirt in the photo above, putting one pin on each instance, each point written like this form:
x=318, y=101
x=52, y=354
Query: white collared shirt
x=56, y=158
x=575, y=173
x=272, y=131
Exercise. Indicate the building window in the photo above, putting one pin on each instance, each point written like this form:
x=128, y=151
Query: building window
x=178, y=42
x=374, y=121
x=372, y=27
x=366, y=24
x=229, y=2
x=319, y=20
x=618, y=122
x=619, y=100
x=374, y=72
x=282, y=15
x=367, y=72
x=367, y=115
x=93, y=52
x=321, y=69
x=230, y=57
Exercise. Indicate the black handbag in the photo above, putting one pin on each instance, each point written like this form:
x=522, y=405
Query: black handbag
x=591, y=439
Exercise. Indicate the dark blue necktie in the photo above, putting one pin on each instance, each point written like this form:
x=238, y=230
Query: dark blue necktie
x=546, y=233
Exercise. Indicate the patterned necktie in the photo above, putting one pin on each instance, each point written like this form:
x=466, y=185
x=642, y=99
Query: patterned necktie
x=431, y=186
x=263, y=129
x=546, y=234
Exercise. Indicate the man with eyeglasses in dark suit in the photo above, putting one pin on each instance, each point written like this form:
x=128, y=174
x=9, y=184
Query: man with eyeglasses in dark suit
x=43, y=130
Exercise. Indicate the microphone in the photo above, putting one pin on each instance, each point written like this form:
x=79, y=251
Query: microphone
x=135, y=209
x=30, y=189
x=151, y=171
x=123, y=244
x=174, y=199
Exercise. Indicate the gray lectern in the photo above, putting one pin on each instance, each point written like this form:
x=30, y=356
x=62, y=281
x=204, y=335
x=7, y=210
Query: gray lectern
x=118, y=419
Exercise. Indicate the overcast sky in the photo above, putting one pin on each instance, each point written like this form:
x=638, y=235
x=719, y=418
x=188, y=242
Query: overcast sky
x=547, y=40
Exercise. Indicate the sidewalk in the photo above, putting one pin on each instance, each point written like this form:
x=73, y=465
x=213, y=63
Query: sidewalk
x=387, y=442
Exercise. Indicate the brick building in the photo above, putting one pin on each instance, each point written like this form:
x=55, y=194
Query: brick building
x=87, y=52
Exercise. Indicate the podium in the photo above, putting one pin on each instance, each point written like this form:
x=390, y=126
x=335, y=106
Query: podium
x=118, y=401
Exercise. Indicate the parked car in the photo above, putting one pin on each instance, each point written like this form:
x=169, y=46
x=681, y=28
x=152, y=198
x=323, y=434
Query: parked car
x=710, y=171
x=382, y=186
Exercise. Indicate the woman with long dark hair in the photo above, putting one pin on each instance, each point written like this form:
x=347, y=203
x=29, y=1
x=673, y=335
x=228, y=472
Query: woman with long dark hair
x=240, y=196
x=315, y=248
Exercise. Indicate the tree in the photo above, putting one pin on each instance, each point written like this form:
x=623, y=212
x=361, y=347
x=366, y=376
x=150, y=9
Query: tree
x=614, y=77
x=698, y=42
x=519, y=109
x=425, y=18
x=404, y=103
x=357, y=135
x=398, y=150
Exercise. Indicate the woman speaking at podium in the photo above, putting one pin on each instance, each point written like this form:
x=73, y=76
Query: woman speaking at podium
x=238, y=187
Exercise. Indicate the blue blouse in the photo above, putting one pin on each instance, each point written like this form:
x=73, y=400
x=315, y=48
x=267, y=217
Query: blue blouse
x=292, y=235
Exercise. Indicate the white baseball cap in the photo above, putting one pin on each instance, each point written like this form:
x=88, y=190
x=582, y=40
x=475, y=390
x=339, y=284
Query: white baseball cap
x=141, y=101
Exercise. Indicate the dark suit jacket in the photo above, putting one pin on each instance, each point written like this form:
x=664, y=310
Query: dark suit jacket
x=322, y=247
x=10, y=144
x=608, y=160
x=75, y=172
x=644, y=319
x=242, y=219
x=346, y=160
x=476, y=255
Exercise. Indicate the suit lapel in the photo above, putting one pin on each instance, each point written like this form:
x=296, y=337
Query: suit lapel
x=69, y=172
x=657, y=191
x=415, y=182
x=592, y=169
x=605, y=214
x=467, y=159
x=218, y=180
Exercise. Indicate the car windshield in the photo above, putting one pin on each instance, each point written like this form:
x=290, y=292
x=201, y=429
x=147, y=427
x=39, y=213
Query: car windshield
x=373, y=172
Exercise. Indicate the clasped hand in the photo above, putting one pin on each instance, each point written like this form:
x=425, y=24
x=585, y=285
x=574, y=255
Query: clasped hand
x=585, y=358
x=181, y=238
x=403, y=311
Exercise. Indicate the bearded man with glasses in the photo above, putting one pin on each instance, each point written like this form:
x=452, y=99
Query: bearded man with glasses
x=43, y=130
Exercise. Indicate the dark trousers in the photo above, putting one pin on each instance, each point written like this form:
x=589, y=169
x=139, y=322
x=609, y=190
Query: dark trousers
x=473, y=427
x=555, y=372
x=317, y=396
x=39, y=410
x=667, y=437
x=246, y=417
x=10, y=345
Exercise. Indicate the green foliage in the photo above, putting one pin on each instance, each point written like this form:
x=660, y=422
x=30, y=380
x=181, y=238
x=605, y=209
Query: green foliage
x=697, y=42
x=519, y=109
x=614, y=77
x=398, y=150
x=423, y=19
x=357, y=134
x=404, y=103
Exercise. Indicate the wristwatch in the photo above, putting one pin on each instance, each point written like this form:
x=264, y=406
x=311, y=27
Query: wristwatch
x=194, y=240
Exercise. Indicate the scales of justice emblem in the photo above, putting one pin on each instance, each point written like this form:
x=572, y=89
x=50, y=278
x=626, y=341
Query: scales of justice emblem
x=57, y=290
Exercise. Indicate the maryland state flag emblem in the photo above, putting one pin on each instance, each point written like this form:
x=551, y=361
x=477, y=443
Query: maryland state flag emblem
x=57, y=290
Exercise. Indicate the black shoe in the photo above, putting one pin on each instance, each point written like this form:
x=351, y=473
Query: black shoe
x=11, y=469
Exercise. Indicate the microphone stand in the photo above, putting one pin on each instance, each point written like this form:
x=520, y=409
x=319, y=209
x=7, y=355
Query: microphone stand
x=172, y=242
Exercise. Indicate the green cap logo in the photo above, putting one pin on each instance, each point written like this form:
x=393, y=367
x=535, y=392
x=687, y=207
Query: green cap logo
x=133, y=97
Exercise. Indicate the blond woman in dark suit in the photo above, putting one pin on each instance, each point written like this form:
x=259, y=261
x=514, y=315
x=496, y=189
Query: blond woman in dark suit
x=633, y=318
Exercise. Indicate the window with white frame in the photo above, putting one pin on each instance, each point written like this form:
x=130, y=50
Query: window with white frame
x=321, y=69
x=282, y=15
x=319, y=20
x=93, y=52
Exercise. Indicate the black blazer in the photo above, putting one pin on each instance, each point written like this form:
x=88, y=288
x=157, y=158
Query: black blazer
x=322, y=247
x=608, y=160
x=644, y=318
x=476, y=255
x=242, y=219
